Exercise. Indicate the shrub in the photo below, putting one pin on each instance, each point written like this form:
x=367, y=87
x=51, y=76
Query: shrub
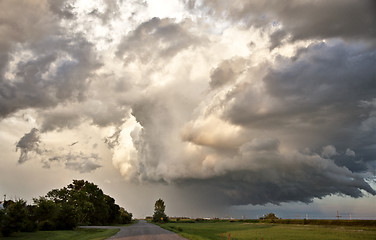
x=46, y=225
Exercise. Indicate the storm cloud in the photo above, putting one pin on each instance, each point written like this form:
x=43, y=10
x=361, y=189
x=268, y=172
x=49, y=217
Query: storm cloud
x=42, y=65
x=249, y=102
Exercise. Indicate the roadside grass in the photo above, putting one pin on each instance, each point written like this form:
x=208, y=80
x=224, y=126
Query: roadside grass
x=268, y=231
x=78, y=234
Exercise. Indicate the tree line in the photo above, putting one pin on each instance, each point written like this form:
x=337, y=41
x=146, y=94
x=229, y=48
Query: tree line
x=80, y=203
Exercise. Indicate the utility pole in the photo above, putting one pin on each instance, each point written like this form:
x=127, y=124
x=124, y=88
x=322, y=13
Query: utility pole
x=5, y=197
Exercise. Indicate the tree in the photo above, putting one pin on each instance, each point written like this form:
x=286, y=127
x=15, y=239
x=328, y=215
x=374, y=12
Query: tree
x=270, y=216
x=46, y=212
x=88, y=202
x=125, y=217
x=81, y=202
x=159, y=212
x=88, y=205
x=16, y=217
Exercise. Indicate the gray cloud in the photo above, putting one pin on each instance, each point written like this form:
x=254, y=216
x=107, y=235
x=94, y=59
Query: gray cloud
x=316, y=94
x=48, y=69
x=17, y=26
x=261, y=173
x=52, y=77
x=79, y=162
x=113, y=140
x=63, y=8
x=99, y=112
x=29, y=144
x=54, y=119
x=32, y=148
x=156, y=38
x=319, y=19
x=226, y=72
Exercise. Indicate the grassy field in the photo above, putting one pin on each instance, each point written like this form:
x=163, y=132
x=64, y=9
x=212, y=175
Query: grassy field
x=268, y=231
x=79, y=234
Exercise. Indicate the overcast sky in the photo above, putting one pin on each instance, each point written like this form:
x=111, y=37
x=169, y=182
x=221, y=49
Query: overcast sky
x=221, y=108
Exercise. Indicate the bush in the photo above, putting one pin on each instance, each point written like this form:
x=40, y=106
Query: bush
x=46, y=225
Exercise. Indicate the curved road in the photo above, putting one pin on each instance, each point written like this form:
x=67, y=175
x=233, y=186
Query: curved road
x=142, y=231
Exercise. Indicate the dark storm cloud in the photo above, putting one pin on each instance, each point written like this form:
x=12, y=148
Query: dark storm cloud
x=308, y=127
x=318, y=93
x=269, y=176
x=350, y=19
x=156, y=38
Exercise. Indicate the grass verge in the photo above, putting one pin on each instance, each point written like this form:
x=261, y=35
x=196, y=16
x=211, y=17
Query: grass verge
x=266, y=231
x=79, y=234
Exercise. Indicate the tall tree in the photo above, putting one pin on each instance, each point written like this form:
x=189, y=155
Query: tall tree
x=159, y=211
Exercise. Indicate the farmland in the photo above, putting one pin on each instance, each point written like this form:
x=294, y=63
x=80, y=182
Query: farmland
x=327, y=229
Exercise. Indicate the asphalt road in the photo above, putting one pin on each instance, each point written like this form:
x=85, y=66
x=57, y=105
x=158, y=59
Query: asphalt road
x=143, y=231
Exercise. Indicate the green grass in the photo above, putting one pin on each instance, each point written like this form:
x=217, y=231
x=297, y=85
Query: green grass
x=265, y=231
x=79, y=234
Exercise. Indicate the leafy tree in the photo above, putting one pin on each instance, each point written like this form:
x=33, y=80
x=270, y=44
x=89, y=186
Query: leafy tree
x=159, y=212
x=67, y=218
x=16, y=217
x=81, y=202
x=269, y=216
x=86, y=199
x=90, y=205
x=46, y=211
x=125, y=217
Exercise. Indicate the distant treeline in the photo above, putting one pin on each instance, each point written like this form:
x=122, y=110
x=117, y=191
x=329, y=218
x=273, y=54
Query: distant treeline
x=80, y=203
x=363, y=223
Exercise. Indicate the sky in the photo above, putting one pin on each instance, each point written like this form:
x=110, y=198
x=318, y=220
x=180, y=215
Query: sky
x=221, y=108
